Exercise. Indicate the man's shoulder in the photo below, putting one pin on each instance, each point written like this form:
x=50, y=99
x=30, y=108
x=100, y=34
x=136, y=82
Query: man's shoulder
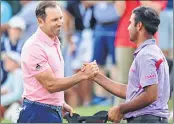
x=33, y=44
x=32, y=41
x=150, y=52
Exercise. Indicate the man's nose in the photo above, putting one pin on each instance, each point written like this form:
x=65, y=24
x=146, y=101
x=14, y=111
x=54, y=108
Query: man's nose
x=59, y=23
x=128, y=28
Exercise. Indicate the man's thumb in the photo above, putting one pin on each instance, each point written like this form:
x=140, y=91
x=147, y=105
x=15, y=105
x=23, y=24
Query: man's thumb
x=71, y=113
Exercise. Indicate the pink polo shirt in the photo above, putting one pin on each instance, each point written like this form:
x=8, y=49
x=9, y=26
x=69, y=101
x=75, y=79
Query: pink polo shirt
x=40, y=53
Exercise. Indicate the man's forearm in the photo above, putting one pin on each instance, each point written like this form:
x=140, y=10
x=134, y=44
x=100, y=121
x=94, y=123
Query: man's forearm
x=115, y=88
x=62, y=84
x=54, y=84
x=141, y=101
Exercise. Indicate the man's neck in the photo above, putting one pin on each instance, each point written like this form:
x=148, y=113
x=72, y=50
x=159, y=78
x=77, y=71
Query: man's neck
x=50, y=36
x=143, y=39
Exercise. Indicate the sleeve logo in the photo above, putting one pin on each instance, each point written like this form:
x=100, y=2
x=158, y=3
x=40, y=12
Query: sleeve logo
x=38, y=67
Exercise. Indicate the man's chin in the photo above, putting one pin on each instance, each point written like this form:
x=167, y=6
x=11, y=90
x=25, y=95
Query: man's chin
x=58, y=32
x=131, y=40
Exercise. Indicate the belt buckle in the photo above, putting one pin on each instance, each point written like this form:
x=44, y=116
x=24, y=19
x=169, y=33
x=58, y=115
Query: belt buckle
x=58, y=108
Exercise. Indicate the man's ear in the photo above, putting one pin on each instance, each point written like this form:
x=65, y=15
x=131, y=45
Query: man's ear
x=40, y=22
x=139, y=26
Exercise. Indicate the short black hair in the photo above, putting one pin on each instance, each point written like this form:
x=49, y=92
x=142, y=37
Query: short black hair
x=40, y=9
x=149, y=18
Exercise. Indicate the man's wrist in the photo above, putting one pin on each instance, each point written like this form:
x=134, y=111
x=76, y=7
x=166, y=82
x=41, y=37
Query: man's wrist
x=122, y=108
x=64, y=103
x=97, y=77
x=82, y=75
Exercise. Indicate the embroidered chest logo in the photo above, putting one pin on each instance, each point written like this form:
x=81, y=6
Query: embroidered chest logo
x=38, y=67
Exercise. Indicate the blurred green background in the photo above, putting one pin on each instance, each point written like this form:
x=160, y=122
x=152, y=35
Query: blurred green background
x=88, y=111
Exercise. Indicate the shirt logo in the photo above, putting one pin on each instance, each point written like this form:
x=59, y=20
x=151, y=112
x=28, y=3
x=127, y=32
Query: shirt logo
x=150, y=76
x=133, y=70
x=38, y=67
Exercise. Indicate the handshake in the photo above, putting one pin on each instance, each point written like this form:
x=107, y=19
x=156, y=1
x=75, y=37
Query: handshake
x=90, y=70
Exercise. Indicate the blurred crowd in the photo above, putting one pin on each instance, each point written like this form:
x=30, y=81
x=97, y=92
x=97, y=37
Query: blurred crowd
x=92, y=30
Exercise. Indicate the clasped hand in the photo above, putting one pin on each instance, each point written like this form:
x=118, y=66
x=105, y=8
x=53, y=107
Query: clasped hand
x=90, y=69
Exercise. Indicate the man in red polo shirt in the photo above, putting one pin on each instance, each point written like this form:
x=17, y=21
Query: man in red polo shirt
x=124, y=47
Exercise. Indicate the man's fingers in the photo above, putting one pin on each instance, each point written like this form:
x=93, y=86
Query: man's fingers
x=109, y=117
x=71, y=113
x=83, y=68
x=95, y=66
x=116, y=121
x=91, y=63
x=84, y=64
x=91, y=69
x=90, y=66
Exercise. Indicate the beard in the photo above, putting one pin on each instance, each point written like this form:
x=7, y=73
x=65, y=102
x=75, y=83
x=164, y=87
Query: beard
x=57, y=31
x=131, y=38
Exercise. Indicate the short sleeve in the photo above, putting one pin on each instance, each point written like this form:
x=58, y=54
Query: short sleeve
x=35, y=60
x=147, y=71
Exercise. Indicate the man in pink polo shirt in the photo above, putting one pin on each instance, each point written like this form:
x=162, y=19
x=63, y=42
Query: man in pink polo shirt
x=43, y=70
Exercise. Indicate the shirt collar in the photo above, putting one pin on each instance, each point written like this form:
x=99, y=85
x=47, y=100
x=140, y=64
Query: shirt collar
x=145, y=43
x=44, y=37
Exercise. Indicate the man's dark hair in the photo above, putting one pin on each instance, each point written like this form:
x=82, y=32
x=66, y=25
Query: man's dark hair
x=40, y=9
x=149, y=18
